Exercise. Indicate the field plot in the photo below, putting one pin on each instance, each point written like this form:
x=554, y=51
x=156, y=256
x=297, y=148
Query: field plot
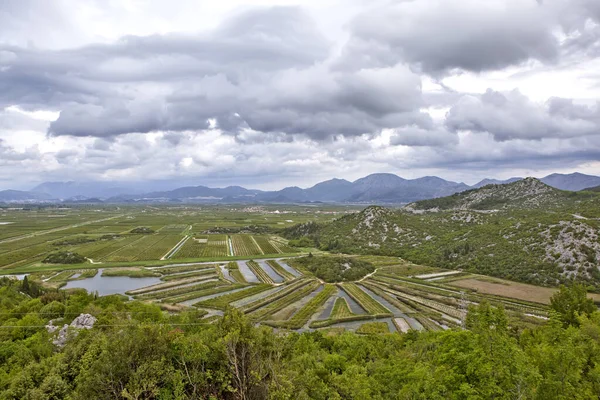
x=244, y=245
x=194, y=247
x=174, y=229
x=281, y=245
x=365, y=301
x=515, y=290
x=341, y=309
x=260, y=273
x=100, y=249
x=278, y=268
x=216, y=246
x=391, y=295
x=202, y=246
x=302, y=316
x=264, y=309
x=222, y=302
x=148, y=247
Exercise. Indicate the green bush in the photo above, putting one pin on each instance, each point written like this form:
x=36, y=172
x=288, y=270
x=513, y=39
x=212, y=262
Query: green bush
x=334, y=269
x=64, y=257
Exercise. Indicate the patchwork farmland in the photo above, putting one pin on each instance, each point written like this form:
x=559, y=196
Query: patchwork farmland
x=399, y=297
x=168, y=258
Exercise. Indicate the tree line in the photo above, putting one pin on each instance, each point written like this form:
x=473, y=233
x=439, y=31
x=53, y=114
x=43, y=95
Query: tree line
x=138, y=351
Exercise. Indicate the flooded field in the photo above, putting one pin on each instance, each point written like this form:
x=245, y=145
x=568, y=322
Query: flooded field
x=106, y=285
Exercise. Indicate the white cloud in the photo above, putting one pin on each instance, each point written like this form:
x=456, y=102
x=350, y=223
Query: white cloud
x=137, y=89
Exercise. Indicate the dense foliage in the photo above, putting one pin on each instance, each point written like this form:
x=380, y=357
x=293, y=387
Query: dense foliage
x=543, y=247
x=333, y=269
x=136, y=351
x=143, y=230
x=64, y=257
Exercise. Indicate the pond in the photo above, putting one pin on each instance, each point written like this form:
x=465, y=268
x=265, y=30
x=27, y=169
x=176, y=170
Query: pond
x=106, y=285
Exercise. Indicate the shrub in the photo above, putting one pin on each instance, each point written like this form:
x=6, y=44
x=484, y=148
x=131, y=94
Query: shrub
x=64, y=257
x=143, y=230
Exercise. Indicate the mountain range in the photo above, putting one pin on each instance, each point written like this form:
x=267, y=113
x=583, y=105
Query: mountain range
x=525, y=230
x=380, y=188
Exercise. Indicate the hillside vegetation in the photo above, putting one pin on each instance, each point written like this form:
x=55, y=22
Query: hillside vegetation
x=134, y=350
x=537, y=234
x=529, y=193
x=333, y=269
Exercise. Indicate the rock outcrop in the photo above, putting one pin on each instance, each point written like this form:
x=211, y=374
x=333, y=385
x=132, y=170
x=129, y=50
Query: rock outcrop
x=83, y=321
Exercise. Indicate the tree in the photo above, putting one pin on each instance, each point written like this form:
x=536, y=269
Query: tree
x=570, y=302
x=25, y=285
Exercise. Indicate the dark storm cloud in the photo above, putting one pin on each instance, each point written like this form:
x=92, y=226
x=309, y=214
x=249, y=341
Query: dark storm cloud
x=513, y=116
x=264, y=69
x=271, y=72
x=439, y=36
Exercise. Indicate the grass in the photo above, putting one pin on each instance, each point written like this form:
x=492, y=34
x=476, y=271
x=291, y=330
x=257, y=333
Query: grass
x=243, y=245
x=201, y=272
x=222, y=302
x=191, y=248
x=161, y=294
x=130, y=272
x=290, y=297
x=265, y=245
x=280, y=270
x=329, y=321
x=373, y=328
x=302, y=316
x=341, y=309
x=201, y=293
x=391, y=299
x=510, y=289
x=183, y=268
x=370, y=305
x=275, y=296
x=260, y=273
x=62, y=276
x=85, y=274
x=425, y=304
x=166, y=285
x=234, y=271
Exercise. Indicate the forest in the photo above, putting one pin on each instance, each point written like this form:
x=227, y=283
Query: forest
x=136, y=350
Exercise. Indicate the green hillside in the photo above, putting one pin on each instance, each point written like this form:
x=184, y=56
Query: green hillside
x=522, y=240
x=529, y=193
x=592, y=189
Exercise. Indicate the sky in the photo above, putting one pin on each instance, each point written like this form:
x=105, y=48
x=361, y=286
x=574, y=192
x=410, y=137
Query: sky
x=268, y=94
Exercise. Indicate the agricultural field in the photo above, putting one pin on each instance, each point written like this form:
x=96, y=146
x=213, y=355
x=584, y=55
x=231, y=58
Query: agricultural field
x=395, y=297
x=501, y=287
x=110, y=235
x=210, y=259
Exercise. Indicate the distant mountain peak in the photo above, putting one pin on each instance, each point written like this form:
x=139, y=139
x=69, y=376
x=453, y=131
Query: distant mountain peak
x=575, y=181
x=525, y=193
x=488, y=181
x=377, y=188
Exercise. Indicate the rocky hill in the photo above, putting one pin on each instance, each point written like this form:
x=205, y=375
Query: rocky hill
x=528, y=242
x=525, y=193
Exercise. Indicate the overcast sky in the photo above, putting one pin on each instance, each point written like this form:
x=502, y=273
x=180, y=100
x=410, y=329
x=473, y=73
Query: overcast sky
x=267, y=94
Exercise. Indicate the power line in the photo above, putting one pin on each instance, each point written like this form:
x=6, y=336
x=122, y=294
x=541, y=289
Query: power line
x=110, y=325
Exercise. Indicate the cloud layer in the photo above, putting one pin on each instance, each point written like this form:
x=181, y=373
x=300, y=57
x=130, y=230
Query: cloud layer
x=267, y=94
